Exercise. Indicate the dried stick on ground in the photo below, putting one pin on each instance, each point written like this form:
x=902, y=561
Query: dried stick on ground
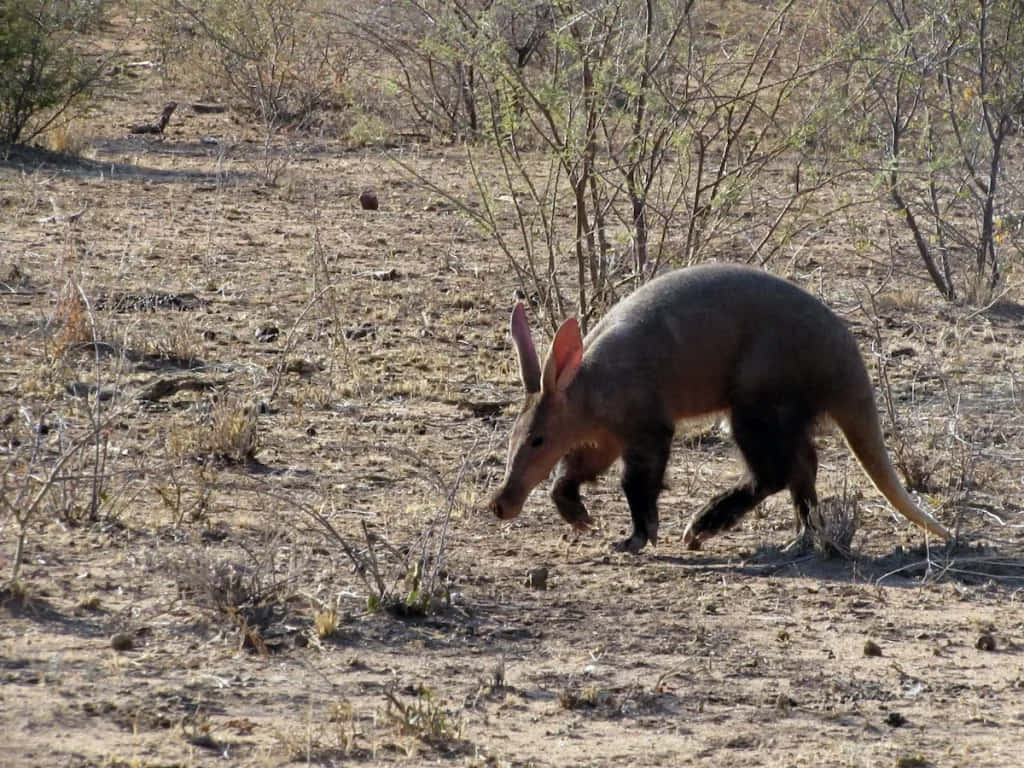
x=159, y=125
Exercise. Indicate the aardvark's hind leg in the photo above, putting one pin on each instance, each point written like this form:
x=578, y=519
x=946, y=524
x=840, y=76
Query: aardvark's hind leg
x=775, y=444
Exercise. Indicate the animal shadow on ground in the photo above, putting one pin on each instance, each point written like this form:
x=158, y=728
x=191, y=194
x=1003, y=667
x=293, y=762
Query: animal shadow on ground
x=35, y=159
x=901, y=567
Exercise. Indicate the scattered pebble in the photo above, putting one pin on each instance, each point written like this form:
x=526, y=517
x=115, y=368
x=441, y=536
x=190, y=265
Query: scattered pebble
x=871, y=648
x=361, y=331
x=368, y=200
x=301, y=365
x=267, y=333
x=537, y=578
x=784, y=702
x=84, y=389
x=985, y=642
x=122, y=641
x=912, y=761
x=895, y=719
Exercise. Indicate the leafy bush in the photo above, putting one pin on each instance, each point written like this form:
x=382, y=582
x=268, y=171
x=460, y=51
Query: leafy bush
x=43, y=70
x=275, y=58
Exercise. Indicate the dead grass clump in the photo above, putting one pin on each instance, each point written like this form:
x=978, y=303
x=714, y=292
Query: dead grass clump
x=423, y=718
x=233, y=434
x=187, y=498
x=409, y=581
x=230, y=434
x=58, y=473
x=66, y=136
x=17, y=600
x=587, y=697
x=964, y=564
x=247, y=593
x=833, y=524
x=325, y=623
x=492, y=686
x=222, y=585
x=421, y=590
x=327, y=739
x=71, y=325
x=197, y=728
x=620, y=701
x=174, y=340
x=422, y=594
x=14, y=597
x=13, y=277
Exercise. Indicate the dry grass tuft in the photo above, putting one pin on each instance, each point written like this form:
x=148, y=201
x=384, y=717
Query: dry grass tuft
x=223, y=585
x=65, y=136
x=423, y=718
x=229, y=434
x=71, y=325
x=325, y=623
x=833, y=524
x=328, y=738
x=249, y=593
x=234, y=435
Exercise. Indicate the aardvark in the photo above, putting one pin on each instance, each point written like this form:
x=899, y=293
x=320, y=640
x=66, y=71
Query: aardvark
x=694, y=341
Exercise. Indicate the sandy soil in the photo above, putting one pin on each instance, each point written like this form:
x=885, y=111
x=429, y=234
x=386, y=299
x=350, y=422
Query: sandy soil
x=177, y=625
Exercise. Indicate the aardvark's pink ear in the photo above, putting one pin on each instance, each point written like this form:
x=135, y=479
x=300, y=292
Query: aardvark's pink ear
x=564, y=357
x=529, y=365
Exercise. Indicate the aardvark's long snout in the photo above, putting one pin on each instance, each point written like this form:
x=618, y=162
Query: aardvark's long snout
x=505, y=505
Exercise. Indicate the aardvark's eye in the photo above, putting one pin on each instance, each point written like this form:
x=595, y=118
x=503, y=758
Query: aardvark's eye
x=537, y=441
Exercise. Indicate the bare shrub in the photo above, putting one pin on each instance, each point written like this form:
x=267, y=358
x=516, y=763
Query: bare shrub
x=659, y=139
x=273, y=57
x=247, y=591
x=939, y=93
x=58, y=460
x=404, y=581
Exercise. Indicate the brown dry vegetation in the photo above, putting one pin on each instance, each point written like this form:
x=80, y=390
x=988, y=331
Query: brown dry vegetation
x=261, y=421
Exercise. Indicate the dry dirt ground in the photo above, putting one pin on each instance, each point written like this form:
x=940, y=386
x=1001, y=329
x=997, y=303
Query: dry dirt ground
x=177, y=623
